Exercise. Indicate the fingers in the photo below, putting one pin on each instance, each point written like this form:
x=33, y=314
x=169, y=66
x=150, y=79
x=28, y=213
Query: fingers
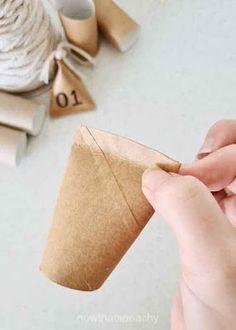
x=193, y=214
x=228, y=205
x=232, y=187
x=217, y=170
x=219, y=195
x=221, y=134
x=177, y=313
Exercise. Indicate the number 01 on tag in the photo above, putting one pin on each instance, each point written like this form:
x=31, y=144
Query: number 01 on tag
x=69, y=94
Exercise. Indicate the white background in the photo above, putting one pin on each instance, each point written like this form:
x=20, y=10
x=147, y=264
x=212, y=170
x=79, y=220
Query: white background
x=166, y=92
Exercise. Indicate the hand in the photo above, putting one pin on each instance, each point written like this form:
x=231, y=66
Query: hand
x=199, y=204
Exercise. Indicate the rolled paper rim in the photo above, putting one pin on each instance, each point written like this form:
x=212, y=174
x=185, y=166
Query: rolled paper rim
x=130, y=39
x=81, y=30
x=16, y=140
x=21, y=148
x=118, y=27
x=22, y=114
x=82, y=19
x=38, y=120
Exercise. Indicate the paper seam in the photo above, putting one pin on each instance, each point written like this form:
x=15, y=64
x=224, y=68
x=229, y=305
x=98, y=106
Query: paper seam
x=139, y=166
x=122, y=193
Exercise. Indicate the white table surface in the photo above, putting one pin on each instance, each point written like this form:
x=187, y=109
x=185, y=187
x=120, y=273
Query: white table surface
x=165, y=92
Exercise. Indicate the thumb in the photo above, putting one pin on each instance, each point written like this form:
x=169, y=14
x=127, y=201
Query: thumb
x=193, y=214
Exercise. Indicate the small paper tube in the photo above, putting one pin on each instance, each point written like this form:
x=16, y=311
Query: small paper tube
x=12, y=146
x=119, y=28
x=100, y=210
x=24, y=114
x=80, y=24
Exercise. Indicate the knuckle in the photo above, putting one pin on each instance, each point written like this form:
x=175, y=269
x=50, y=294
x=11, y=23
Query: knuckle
x=190, y=188
x=220, y=124
x=220, y=128
x=181, y=188
x=225, y=275
x=227, y=152
x=231, y=148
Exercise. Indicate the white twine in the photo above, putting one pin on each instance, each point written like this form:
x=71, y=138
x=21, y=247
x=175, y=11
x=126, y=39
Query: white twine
x=30, y=31
x=61, y=53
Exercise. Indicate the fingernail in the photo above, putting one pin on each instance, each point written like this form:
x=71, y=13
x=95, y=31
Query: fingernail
x=208, y=146
x=202, y=155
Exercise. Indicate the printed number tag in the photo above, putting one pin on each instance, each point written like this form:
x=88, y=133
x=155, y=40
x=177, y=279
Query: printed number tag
x=63, y=101
x=69, y=95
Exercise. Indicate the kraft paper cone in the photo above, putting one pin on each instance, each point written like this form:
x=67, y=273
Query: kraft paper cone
x=100, y=210
x=119, y=28
x=80, y=24
x=12, y=146
x=26, y=115
x=69, y=95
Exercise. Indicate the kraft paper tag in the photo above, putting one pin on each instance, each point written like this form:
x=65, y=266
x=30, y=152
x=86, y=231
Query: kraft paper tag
x=69, y=94
x=100, y=209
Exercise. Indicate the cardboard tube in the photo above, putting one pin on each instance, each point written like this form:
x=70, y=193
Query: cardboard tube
x=100, y=210
x=80, y=24
x=12, y=145
x=119, y=28
x=24, y=114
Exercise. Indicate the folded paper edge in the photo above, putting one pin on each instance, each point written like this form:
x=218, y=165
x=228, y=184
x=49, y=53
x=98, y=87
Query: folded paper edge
x=111, y=143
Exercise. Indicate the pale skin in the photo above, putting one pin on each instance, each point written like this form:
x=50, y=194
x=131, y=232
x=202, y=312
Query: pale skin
x=199, y=205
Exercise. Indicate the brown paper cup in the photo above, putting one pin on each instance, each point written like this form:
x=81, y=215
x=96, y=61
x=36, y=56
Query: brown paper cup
x=12, y=146
x=26, y=115
x=118, y=27
x=69, y=95
x=80, y=24
x=100, y=210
